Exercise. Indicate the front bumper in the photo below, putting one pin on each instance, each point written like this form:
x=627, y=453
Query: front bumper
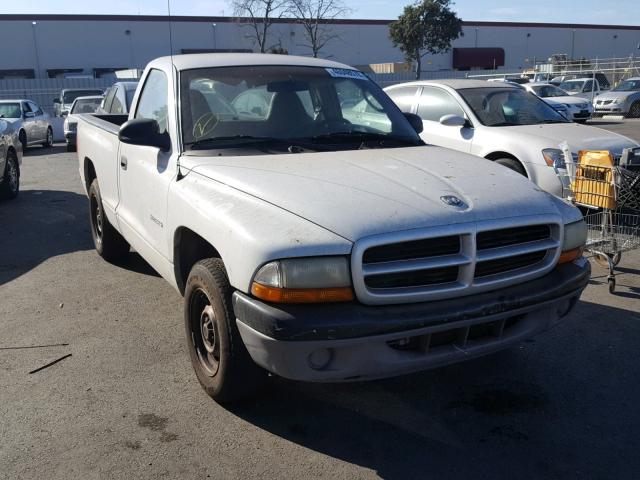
x=345, y=342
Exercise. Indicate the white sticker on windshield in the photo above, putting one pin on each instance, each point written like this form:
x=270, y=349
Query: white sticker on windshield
x=346, y=73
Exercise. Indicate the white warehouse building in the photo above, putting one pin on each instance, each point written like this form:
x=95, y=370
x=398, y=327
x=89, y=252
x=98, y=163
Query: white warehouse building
x=50, y=46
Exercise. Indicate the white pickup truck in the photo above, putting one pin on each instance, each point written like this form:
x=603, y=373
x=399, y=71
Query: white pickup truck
x=309, y=244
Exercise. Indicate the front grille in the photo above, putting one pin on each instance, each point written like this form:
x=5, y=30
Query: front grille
x=502, y=265
x=512, y=236
x=462, y=260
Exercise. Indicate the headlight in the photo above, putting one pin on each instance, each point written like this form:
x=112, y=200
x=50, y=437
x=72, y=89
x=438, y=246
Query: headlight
x=304, y=280
x=616, y=101
x=554, y=157
x=575, y=239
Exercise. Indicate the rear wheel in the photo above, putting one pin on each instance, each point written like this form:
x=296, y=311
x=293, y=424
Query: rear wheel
x=634, y=110
x=512, y=164
x=10, y=185
x=222, y=364
x=48, y=142
x=109, y=244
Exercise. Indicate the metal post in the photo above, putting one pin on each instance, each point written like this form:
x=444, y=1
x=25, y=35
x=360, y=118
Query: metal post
x=35, y=46
x=213, y=28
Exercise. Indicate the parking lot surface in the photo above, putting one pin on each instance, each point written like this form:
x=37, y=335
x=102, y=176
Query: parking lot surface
x=126, y=403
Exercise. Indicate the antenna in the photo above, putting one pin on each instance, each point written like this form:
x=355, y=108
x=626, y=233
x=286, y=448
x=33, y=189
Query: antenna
x=174, y=81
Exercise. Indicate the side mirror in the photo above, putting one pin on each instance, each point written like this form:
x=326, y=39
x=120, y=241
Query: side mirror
x=56, y=100
x=145, y=132
x=29, y=114
x=64, y=114
x=415, y=121
x=453, y=121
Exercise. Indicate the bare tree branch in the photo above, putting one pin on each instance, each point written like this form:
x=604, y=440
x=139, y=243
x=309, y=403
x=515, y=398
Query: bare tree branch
x=313, y=16
x=258, y=15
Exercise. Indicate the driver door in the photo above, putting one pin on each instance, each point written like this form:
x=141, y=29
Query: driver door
x=433, y=104
x=145, y=174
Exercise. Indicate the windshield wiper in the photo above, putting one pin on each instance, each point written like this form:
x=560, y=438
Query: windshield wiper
x=554, y=121
x=505, y=124
x=355, y=135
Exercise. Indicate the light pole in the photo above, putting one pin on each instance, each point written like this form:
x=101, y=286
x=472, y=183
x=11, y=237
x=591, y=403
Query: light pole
x=573, y=42
x=476, y=37
x=213, y=28
x=131, y=59
x=35, y=47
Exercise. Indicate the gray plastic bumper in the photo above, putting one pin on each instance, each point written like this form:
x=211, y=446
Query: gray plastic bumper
x=346, y=342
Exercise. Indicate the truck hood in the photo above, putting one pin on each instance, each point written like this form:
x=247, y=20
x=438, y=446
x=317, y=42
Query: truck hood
x=579, y=137
x=359, y=193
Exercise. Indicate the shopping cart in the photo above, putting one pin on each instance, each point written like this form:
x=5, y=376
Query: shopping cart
x=610, y=192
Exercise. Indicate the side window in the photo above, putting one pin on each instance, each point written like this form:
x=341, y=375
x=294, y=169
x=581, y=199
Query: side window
x=35, y=108
x=153, y=102
x=26, y=107
x=588, y=86
x=108, y=99
x=116, y=106
x=404, y=97
x=435, y=103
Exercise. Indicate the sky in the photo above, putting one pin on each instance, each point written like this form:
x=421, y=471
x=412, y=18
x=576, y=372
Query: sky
x=614, y=12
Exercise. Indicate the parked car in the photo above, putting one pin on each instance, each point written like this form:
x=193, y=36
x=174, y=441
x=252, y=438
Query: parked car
x=586, y=88
x=574, y=108
x=502, y=123
x=63, y=102
x=117, y=99
x=601, y=77
x=10, y=159
x=79, y=105
x=315, y=247
x=29, y=120
x=622, y=100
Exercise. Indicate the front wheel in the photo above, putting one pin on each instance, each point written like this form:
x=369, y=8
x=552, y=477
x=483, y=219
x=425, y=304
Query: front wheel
x=109, y=244
x=48, y=141
x=222, y=364
x=634, y=110
x=11, y=179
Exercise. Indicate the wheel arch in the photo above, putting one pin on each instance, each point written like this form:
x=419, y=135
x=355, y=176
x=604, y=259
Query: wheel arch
x=89, y=172
x=189, y=247
x=493, y=156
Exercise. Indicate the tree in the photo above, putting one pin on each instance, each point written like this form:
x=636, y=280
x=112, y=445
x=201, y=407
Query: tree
x=428, y=26
x=313, y=16
x=259, y=15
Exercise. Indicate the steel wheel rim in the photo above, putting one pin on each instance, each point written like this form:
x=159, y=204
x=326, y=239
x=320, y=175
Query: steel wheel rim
x=205, y=333
x=12, y=173
x=96, y=219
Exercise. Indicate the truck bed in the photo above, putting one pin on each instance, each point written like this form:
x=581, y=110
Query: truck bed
x=109, y=122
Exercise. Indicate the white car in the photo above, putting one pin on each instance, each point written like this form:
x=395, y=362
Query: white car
x=311, y=245
x=575, y=108
x=586, y=88
x=79, y=105
x=502, y=123
x=29, y=120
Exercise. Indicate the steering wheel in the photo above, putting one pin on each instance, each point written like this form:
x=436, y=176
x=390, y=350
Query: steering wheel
x=204, y=126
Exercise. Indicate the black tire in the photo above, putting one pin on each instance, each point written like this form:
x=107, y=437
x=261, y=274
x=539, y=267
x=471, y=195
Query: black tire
x=48, y=143
x=109, y=244
x=71, y=147
x=512, y=164
x=634, y=110
x=612, y=285
x=10, y=186
x=22, y=136
x=222, y=364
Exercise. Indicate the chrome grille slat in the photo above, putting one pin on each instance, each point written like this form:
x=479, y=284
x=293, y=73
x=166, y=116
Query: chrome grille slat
x=505, y=252
x=488, y=255
x=412, y=265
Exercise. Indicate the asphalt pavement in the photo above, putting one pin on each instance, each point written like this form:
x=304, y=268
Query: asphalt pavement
x=126, y=403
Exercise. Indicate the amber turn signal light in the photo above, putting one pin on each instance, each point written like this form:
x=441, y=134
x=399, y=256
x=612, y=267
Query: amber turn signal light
x=571, y=255
x=301, y=295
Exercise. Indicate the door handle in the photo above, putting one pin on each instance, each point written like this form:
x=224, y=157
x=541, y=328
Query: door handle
x=123, y=163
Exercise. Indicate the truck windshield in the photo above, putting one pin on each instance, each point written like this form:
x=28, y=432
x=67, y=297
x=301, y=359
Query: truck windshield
x=497, y=107
x=86, y=105
x=10, y=110
x=70, y=95
x=240, y=106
